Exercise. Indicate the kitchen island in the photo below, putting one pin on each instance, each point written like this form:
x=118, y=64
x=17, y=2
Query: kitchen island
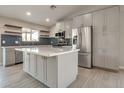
x=55, y=67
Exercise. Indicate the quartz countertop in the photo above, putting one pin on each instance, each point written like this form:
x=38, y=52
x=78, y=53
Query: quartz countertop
x=26, y=46
x=47, y=51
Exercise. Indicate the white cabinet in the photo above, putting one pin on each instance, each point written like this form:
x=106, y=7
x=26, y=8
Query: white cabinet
x=82, y=20
x=98, y=39
x=57, y=28
x=60, y=26
x=56, y=71
x=77, y=22
x=40, y=68
x=52, y=72
x=32, y=64
x=26, y=61
x=87, y=19
x=68, y=28
x=35, y=65
x=112, y=38
x=106, y=38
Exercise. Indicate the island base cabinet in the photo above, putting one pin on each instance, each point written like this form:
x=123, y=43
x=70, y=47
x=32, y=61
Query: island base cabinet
x=55, y=72
x=62, y=70
x=33, y=64
x=26, y=60
x=41, y=69
x=67, y=69
x=52, y=71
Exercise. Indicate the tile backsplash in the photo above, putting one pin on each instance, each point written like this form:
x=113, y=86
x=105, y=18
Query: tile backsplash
x=14, y=40
x=10, y=40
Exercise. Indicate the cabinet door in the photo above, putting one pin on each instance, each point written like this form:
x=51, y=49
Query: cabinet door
x=68, y=28
x=76, y=22
x=40, y=68
x=98, y=39
x=52, y=71
x=112, y=38
x=82, y=20
x=33, y=64
x=26, y=61
x=60, y=26
x=86, y=20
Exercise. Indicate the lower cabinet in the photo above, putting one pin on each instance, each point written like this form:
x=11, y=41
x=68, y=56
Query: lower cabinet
x=26, y=60
x=33, y=64
x=40, y=71
x=52, y=72
x=56, y=71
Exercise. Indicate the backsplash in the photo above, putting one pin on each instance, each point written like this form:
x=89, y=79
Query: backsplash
x=14, y=40
x=69, y=41
x=10, y=40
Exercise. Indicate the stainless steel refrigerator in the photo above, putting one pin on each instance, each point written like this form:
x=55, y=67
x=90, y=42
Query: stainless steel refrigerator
x=84, y=43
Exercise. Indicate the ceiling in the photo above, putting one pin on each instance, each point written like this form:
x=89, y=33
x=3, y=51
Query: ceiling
x=39, y=13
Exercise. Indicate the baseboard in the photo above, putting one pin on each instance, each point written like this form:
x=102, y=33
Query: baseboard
x=107, y=69
x=121, y=67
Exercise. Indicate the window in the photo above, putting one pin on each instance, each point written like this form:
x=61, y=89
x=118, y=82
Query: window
x=30, y=35
x=35, y=35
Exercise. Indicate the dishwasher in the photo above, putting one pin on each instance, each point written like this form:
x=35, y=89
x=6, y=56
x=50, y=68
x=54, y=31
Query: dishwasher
x=18, y=57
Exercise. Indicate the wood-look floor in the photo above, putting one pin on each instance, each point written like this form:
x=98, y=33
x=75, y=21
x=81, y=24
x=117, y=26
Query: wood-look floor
x=15, y=77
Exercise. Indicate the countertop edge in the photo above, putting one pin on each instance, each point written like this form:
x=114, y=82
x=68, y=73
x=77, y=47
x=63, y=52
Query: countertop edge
x=50, y=55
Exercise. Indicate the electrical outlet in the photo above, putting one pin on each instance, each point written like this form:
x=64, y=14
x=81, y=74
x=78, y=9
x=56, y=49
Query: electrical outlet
x=3, y=41
x=16, y=42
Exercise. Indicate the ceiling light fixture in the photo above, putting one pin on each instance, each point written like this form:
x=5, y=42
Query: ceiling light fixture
x=47, y=19
x=52, y=7
x=28, y=13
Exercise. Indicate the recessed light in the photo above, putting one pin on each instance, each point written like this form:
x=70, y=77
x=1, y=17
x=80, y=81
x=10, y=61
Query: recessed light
x=28, y=13
x=47, y=19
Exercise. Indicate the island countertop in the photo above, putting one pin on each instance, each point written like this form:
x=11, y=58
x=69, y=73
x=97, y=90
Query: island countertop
x=47, y=51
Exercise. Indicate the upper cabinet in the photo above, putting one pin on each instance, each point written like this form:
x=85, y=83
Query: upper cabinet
x=87, y=20
x=59, y=26
x=65, y=25
x=68, y=25
x=76, y=22
x=82, y=20
x=68, y=28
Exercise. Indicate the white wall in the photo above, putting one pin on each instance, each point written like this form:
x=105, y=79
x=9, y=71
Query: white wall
x=4, y=20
